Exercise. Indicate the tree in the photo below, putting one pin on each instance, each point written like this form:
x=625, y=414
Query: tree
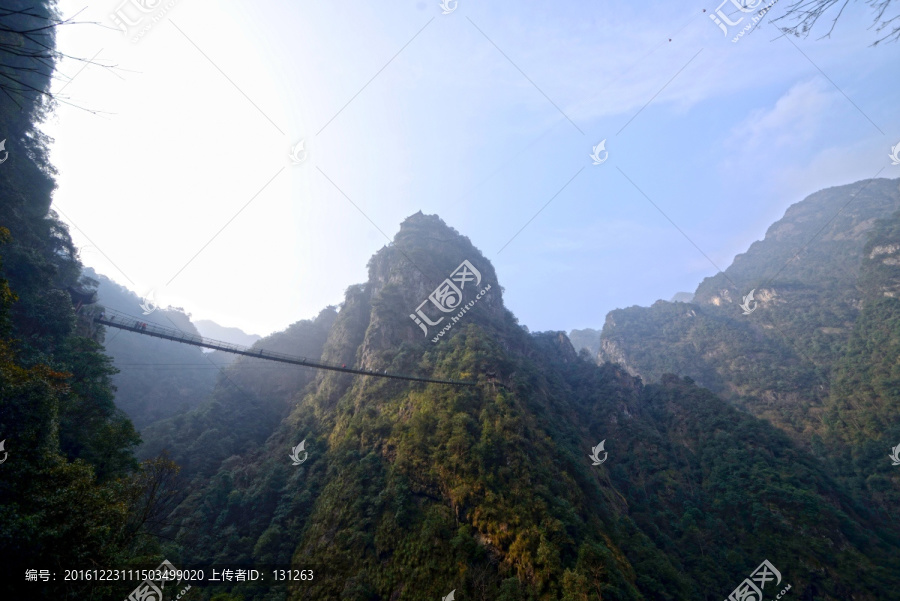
x=805, y=13
x=151, y=494
x=28, y=54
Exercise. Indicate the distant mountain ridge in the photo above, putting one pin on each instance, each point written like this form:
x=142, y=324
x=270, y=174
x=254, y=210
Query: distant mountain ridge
x=774, y=362
x=211, y=329
x=157, y=378
x=814, y=351
x=412, y=490
x=587, y=338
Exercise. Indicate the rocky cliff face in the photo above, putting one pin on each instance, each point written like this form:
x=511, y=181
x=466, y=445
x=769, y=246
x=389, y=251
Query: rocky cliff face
x=553, y=478
x=862, y=412
x=610, y=351
x=770, y=354
x=404, y=275
x=819, y=240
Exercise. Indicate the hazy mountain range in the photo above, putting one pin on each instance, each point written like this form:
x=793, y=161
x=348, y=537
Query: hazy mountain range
x=412, y=490
x=741, y=442
x=211, y=329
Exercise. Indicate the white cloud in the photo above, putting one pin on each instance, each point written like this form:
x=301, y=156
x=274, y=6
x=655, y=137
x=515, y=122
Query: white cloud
x=794, y=119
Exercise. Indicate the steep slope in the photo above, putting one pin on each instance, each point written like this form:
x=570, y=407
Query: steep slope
x=210, y=329
x=777, y=361
x=586, y=339
x=862, y=412
x=411, y=490
x=157, y=378
x=250, y=397
x=67, y=472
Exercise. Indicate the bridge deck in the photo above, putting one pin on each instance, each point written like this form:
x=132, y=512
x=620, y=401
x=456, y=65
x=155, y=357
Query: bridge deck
x=123, y=321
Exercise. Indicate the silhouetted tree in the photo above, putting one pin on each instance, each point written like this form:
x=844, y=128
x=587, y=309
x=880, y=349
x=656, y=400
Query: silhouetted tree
x=805, y=13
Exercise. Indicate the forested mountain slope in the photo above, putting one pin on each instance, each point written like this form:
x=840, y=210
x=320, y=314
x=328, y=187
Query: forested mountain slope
x=776, y=362
x=250, y=398
x=862, y=412
x=71, y=493
x=210, y=329
x=495, y=491
x=412, y=490
x=587, y=338
x=157, y=378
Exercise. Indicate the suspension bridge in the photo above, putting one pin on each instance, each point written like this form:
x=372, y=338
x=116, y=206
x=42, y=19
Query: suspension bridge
x=130, y=323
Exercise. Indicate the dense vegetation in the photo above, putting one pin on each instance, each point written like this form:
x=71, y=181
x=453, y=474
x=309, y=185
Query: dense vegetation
x=586, y=339
x=156, y=378
x=818, y=357
x=412, y=490
x=251, y=398
x=776, y=362
x=862, y=413
x=71, y=492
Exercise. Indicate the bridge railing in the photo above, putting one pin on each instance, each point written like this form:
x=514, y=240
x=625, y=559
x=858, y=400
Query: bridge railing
x=136, y=324
x=124, y=321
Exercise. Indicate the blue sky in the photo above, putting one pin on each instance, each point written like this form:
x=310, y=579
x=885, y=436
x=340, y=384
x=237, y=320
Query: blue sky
x=178, y=177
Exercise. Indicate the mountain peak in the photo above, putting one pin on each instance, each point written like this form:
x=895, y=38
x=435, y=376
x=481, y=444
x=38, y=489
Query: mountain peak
x=429, y=284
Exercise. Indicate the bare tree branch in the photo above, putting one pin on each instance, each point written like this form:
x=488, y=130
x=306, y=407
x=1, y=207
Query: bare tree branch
x=802, y=15
x=28, y=58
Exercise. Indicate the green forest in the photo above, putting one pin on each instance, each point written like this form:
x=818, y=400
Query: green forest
x=729, y=440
